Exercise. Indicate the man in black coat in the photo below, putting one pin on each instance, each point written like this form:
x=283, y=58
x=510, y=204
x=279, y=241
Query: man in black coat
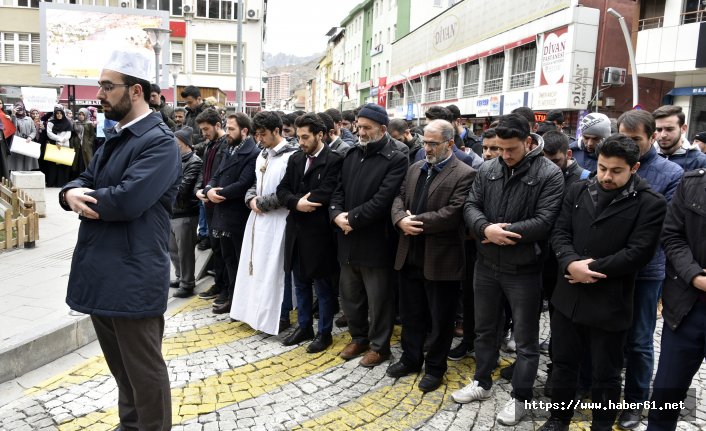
x=185, y=218
x=607, y=230
x=683, y=298
x=226, y=190
x=309, y=249
x=510, y=210
x=371, y=176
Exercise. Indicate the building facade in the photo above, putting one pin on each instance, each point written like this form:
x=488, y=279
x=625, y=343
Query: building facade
x=203, y=41
x=278, y=89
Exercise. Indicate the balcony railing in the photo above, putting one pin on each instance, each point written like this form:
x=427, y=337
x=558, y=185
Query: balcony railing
x=414, y=98
x=433, y=96
x=648, y=23
x=695, y=16
x=494, y=85
x=392, y=103
x=450, y=93
x=470, y=90
x=522, y=80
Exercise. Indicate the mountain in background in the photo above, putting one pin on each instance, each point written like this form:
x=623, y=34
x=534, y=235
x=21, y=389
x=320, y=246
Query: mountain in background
x=303, y=70
x=282, y=60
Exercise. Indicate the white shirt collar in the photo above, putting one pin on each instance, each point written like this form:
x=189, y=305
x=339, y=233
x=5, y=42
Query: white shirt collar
x=117, y=125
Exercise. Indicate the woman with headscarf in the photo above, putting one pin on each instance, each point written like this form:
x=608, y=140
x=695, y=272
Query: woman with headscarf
x=82, y=140
x=58, y=133
x=36, y=117
x=27, y=131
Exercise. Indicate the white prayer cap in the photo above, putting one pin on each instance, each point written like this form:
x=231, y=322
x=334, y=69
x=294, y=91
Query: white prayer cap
x=133, y=63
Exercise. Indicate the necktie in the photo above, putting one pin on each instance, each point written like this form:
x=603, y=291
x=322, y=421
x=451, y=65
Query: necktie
x=309, y=162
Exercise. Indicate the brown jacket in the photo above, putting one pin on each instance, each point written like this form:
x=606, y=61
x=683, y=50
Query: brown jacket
x=444, y=257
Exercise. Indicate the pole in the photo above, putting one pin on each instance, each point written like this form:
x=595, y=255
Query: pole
x=157, y=50
x=239, y=60
x=631, y=53
x=414, y=94
x=175, y=89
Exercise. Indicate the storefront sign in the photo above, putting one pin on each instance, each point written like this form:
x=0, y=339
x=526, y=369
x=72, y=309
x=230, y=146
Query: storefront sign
x=554, y=53
x=512, y=101
x=445, y=32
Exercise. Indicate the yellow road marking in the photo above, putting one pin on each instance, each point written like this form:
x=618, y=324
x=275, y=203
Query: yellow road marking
x=233, y=386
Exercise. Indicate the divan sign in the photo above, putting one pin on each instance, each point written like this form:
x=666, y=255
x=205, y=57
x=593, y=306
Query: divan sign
x=553, y=55
x=445, y=33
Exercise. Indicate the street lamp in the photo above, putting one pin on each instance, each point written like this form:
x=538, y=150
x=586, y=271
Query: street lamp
x=156, y=36
x=631, y=53
x=188, y=19
x=414, y=94
x=174, y=70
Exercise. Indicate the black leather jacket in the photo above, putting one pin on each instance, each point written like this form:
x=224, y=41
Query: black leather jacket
x=528, y=196
x=186, y=203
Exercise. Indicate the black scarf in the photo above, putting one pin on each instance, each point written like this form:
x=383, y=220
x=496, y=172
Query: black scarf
x=63, y=125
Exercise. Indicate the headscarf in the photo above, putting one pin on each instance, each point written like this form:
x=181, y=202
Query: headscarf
x=63, y=125
x=19, y=104
x=79, y=125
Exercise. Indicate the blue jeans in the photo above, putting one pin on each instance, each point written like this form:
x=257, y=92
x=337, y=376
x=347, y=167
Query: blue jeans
x=639, y=349
x=524, y=293
x=203, y=226
x=287, y=305
x=305, y=298
x=682, y=353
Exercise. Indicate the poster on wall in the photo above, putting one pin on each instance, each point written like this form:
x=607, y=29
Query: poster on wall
x=554, y=54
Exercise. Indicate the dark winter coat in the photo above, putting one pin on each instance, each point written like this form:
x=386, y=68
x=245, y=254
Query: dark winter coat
x=236, y=174
x=689, y=159
x=683, y=240
x=120, y=266
x=621, y=239
x=443, y=230
x=340, y=146
x=197, y=139
x=663, y=177
x=348, y=137
x=187, y=204
x=370, y=179
x=528, y=196
x=310, y=233
x=584, y=158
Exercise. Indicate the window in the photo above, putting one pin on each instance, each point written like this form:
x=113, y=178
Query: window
x=217, y=9
x=471, y=75
x=215, y=58
x=172, y=6
x=523, y=62
x=651, y=14
x=494, y=73
x=433, y=88
x=451, y=83
x=694, y=11
x=20, y=48
x=176, y=49
x=28, y=3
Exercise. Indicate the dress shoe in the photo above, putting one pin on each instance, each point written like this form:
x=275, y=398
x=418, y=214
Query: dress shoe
x=461, y=351
x=429, y=383
x=221, y=308
x=204, y=243
x=174, y=284
x=222, y=298
x=320, y=343
x=373, y=359
x=341, y=322
x=554, y=424
x=458, y=329
x=400, y=369
x=506, y=373
x=629, y=419
x=284, y=324
x=353, y=350
x=183, y=293
x=211, y=293
x=300, y=334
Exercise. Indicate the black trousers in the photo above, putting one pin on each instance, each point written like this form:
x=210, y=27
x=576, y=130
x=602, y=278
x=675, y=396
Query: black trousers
x=571, y=341
x=230, y=250
x=469, y=320
x=133, y=351
x=421, y=298
x=217, y=262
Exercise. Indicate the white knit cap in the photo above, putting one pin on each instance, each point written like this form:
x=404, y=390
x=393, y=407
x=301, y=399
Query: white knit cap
x=137, y=64
x=595, y=124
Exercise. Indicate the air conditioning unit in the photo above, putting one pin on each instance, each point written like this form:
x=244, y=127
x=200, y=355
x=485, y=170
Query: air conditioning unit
x=187, y=6
x=614, y=76
x=125, y=4
x=253, y=14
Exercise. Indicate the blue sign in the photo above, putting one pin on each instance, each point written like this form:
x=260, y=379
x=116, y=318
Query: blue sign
x=410, y=112
x=687, y=91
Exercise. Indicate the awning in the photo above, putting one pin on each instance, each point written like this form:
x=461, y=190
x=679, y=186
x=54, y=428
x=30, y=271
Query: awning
x=84, y=94
x=688, y=91
x=252, y=98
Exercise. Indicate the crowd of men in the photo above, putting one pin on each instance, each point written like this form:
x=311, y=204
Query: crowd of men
x=391, y=223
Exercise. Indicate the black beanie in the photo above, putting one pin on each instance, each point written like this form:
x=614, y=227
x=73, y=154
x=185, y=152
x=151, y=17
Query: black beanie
x=184, y=135
x=374, y=112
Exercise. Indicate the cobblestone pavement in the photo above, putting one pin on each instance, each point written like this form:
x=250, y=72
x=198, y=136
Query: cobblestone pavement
x=226, y=376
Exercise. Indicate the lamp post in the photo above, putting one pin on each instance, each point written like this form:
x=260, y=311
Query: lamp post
x=156, y=36
x=414, y=94
x=174, y=70
x=188, y=19
x=631, y=52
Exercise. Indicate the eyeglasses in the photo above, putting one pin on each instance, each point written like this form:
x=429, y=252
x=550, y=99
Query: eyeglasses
x=107, y=87
x=432, y=144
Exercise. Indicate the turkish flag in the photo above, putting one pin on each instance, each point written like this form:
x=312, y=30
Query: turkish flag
x=9, y=128
x=382, y=93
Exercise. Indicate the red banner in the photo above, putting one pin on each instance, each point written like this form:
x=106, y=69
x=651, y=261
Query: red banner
x=382, y=91
x=9, y=128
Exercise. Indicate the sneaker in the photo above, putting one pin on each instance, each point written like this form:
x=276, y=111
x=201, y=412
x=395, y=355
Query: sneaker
x=183, y=293
x=341, y=322
x=211, y=293
x=554, y=424
x=461, y=351
x=512, y=413
x=507, y=372
x=509, y=345
x=472, y=392
x=544, y=345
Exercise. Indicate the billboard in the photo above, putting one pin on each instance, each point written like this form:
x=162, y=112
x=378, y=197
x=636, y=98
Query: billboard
x=76, y=41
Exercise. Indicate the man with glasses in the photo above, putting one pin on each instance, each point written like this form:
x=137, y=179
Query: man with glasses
x=123, y=200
